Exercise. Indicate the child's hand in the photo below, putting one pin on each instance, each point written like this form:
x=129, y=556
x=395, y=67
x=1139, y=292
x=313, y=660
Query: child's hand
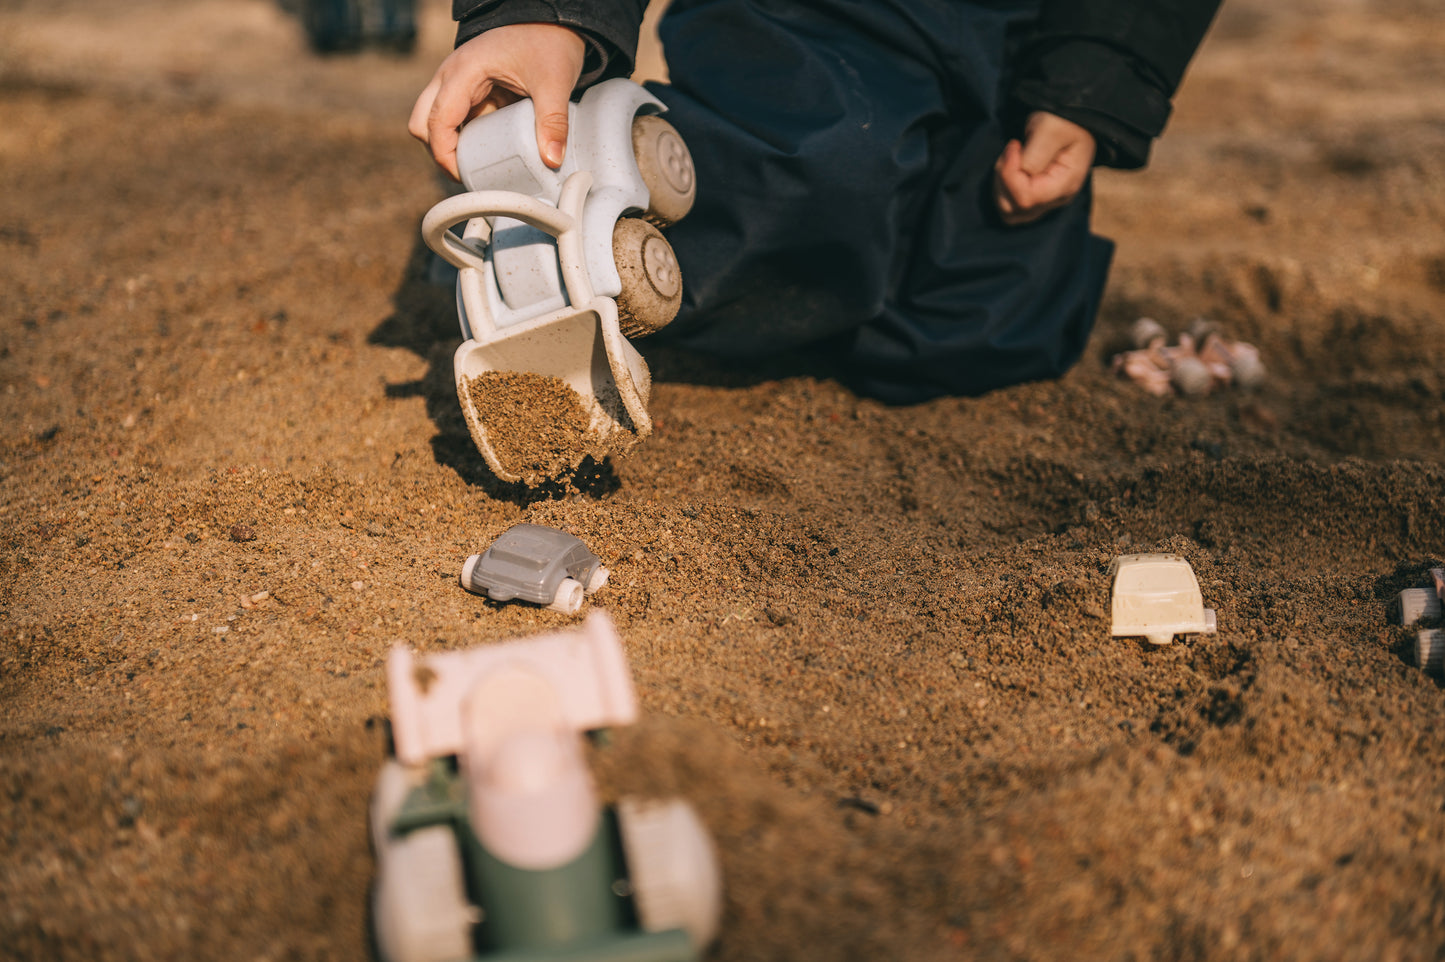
x=1045, y=172
x=496, y=68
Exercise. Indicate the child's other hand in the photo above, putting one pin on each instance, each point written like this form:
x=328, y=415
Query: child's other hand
x=496, y=68
x=1044, y=172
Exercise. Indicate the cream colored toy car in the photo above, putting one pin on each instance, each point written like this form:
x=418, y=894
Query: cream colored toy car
x=1156, y=596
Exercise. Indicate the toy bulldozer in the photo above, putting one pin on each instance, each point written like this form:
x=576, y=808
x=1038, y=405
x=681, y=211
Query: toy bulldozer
x=556, y=270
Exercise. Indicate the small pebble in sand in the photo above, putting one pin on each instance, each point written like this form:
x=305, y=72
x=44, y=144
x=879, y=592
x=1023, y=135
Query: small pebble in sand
x=535, y=423
x=358, y=585
x=251, y=601
x=241, y=532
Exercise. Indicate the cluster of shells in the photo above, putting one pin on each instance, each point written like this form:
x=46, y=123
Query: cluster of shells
x=1201, y=360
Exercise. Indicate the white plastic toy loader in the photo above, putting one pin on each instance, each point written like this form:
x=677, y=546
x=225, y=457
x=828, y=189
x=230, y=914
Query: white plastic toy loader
x=556, y=270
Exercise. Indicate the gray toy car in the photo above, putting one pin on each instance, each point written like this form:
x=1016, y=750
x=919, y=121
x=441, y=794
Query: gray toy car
x=537, y=564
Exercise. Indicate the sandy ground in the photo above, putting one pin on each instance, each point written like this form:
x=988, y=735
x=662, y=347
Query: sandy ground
x=870, y=642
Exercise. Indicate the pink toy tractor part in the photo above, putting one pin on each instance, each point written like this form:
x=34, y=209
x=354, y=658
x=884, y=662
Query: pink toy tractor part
x=585, y=668
x=491, y=839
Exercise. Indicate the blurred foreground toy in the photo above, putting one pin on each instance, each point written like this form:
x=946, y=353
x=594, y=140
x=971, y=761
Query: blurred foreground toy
x=555, y=267
x=1200, y=361
x=1157, y=596
x=537, y=564
x=1421, y=604
x=490, y=840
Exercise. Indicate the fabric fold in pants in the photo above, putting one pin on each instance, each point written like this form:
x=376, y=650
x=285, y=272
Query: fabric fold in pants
x=844, y=154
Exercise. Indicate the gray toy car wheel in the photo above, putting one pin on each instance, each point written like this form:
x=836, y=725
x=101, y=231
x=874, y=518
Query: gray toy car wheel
x=666, y=167
x=651, y=281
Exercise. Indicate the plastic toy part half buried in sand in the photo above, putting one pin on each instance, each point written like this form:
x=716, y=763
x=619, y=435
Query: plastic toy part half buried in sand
x=1156, y=596
x=1202, y=360
x=1417, y=604
x=1426, y=604
x=1430, y=651
x=537, y=564
x=491, y=842
x=556, y=269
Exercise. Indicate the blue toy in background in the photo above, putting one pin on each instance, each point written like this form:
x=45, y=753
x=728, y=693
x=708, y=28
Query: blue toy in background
x=344, y=26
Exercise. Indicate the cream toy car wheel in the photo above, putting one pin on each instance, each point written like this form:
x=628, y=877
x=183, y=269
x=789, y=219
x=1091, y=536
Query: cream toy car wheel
x=666, y=168
x=651, y=281
x=568, y=599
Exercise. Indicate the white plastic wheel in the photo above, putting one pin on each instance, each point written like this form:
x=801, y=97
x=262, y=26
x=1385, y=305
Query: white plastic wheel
x=420, y=908
x=666, y=167
x=676, y=882
x=1430, y=650
x=393, y=783
x=651, y=280
x=568, y=598
x=468, y=567
x=1417, y=603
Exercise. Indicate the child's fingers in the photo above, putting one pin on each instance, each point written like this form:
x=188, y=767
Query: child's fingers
x=1043, y=145
x=1012, y=187
x=1005, y=175
x=549, y=80
x=421, y=110
x=1045, y=172
x=496, y=68
x=450, y=108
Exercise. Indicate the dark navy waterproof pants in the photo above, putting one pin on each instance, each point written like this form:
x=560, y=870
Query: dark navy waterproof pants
x=844, y=153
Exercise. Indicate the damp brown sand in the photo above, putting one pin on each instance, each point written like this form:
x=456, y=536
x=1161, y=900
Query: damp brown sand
x=535, y=423
x=869, y=643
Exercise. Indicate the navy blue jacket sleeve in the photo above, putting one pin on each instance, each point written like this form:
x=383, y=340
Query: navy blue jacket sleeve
x=608, y=26
x=1110, y=66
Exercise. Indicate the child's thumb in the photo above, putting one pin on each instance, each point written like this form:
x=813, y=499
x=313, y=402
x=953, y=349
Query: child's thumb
x=1040, y=148
x=551, y=110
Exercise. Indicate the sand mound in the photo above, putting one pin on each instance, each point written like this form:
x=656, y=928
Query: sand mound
x=870, y=642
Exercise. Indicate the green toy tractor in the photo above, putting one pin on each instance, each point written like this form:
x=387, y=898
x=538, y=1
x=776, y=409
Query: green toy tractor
x=490, y=841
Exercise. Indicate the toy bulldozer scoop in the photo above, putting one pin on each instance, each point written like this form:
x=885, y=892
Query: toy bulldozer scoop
x=556, y=270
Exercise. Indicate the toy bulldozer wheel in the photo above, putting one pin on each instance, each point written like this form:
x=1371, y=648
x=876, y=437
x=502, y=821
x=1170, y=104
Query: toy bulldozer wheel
x=651, y=282
x=666, y=168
